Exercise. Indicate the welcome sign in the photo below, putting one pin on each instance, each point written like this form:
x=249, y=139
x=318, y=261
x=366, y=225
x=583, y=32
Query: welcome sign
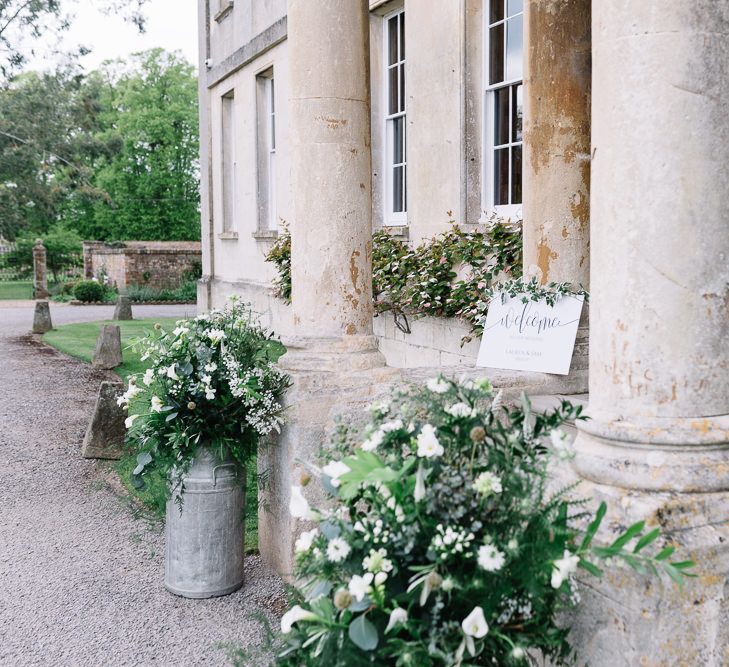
x=531, y=336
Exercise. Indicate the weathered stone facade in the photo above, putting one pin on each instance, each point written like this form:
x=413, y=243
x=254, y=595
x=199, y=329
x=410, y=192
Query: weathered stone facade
x=624, y=156
x=155, y=264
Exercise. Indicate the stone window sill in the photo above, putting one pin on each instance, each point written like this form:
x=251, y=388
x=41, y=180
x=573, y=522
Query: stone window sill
x=225, y=9
x=400, y=231
x=265, y=234
x=228, y=236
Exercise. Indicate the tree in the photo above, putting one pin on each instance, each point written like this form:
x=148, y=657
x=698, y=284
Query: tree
x=49, y=138
x=24, y=22
x=63, y=251
x=151, y=184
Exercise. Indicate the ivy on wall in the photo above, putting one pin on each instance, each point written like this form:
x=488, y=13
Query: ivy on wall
x=454, y=274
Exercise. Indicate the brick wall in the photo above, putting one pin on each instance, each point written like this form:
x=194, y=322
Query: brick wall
x=155, y=264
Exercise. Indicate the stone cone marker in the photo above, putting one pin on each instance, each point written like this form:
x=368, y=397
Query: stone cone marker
x=104, y=437
x=123, y=310
x=42, y=318
x=108, y=353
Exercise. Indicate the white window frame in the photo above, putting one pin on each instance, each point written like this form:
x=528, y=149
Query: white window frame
x=228, y=158
x=271, y=148
x=488, y=207
x=392, y=218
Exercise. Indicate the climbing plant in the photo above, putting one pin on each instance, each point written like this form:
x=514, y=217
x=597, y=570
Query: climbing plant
x=453, y=274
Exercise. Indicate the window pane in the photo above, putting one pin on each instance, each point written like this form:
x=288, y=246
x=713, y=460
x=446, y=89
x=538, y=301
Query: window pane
x=402, y=36
x=514, y=41
x=514, y=7
x=392, y=88
x=516, y=175
x=398, y=177
x=501, y=176
x=402, y=87
x=404, y=189
x=398, y=140
x=517, y=106
x=497, y=11
x=501, y=116
x=273, y=99
x=496, y=54
x=392, y=40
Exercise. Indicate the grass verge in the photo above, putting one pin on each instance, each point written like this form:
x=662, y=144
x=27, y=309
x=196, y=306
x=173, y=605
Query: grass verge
x=79, y=340
x=16, y=289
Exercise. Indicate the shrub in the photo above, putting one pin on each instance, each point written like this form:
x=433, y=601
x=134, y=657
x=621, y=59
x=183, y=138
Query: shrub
x=89, y=290
x=444, y=544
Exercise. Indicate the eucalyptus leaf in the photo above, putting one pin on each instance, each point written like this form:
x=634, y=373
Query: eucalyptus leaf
x=143, y=459
x=363, y=633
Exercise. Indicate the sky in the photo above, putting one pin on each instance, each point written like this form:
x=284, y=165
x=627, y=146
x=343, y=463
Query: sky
x=171, y=24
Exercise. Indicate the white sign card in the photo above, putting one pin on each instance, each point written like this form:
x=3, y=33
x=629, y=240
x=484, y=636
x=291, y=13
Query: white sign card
x=531, y=336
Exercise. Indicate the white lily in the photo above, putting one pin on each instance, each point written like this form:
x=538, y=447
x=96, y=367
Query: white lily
x=293, y=615
x=171, y=373
x=398, y=616
x=156, y=404
x=428, y=445
x=298, y=505
x=564, y=567
x=474, y=626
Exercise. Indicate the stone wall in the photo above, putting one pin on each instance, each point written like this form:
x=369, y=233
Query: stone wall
x=155, y=264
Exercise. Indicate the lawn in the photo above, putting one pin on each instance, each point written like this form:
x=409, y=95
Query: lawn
x=79, y=340
x=16, y=289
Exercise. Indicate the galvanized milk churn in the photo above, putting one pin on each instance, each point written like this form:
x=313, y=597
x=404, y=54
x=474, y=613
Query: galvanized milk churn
x=205, y=541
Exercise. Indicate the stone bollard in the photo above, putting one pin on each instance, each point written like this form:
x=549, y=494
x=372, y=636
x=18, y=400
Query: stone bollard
x=40, y=274
x=104, y=437
x=42, y=318
x=108, y=353
x=123, y=310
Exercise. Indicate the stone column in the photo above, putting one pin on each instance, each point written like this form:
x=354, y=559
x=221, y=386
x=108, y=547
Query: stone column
x=333, y=358
x=331, y=227
x=657, y=443
x=40, y=273
x=556, y=205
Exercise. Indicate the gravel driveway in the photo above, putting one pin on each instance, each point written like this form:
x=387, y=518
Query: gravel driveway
x=81, y=571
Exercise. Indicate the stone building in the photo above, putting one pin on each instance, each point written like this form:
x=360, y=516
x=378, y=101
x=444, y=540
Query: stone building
x=603, y=125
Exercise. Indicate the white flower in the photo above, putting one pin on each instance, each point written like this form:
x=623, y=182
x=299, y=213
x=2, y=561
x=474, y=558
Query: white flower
x=380, y=578
x=395, y=425
x=298, y=505
x=518, y=653
x=334, y=470
x=490, y=558
x=215, y=335
x=378, y=407
x=211, y=367
x=305, y=540
x=206, y=379
x=170, y=373
x=564, y=567
x=459, y=410
x=377, y=561
x=180, y=331
x=419, y=492
x=156, y=404
x=474, y=625
x=130, y=420
x=148, y=378
x=487, y=483
x=209, y=393
x=337, y=549
x=374, y=441
x=296, y=613
x=428, y=444
x=398, y=616
x=359, y=586
x=438, y=385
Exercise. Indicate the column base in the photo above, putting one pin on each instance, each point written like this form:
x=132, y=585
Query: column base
x=690, y=455
x=335, y=354
x=625, y=619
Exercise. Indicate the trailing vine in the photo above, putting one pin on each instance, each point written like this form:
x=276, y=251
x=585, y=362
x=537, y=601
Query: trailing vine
x=454, y=274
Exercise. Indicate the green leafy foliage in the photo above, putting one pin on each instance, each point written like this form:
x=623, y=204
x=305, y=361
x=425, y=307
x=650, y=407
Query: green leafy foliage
x=212, y=381
x=444, y=544
x=89, y=291
x=63, y=253
x=442, y=277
